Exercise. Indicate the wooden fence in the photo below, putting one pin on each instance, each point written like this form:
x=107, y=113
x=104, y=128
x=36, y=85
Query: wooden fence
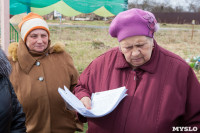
x=177, y=18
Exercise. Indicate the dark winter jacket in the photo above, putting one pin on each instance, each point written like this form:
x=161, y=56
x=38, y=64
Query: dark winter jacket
x=12, y=118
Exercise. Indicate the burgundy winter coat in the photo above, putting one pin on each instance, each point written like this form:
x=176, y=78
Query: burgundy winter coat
x=163, y=94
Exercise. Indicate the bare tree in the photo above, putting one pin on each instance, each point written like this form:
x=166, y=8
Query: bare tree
x=145, y=4
x=134, y=4
x=165, y=6
x=162, y=8
x=178, y=9
x=154, y=6
x=194, y=5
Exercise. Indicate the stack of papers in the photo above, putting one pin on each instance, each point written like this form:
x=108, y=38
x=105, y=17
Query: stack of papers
x=102, y=103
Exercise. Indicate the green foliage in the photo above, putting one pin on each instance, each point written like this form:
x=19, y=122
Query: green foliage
x=85, y=127
x=192, y=64
x=195, y=63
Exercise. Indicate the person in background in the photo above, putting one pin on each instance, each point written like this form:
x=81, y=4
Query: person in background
x=38, y=70
x=163, y=91
x=12, y=117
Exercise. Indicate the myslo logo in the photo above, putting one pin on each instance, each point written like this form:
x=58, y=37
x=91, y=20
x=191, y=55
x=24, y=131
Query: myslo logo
x=184, y=129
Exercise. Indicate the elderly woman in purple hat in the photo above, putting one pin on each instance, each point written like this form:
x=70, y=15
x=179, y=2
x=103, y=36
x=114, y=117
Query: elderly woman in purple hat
x=163, y=91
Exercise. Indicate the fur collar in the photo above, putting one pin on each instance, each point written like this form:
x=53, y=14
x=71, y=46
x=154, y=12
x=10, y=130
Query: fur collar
x=12, y=50
x=5, y=67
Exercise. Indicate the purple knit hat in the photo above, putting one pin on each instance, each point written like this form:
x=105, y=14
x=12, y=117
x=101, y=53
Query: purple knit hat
x=133, y=22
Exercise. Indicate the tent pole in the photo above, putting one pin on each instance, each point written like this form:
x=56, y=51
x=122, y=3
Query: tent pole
x=5, y=32
x=28, y=7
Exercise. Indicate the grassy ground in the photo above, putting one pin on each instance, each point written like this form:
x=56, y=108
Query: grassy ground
x=99, y=23
x=106, y=23
x=85, y=44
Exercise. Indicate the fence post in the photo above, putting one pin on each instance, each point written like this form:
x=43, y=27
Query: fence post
x=193, y=23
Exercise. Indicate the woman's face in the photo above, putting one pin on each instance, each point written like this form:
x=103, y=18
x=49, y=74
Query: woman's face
x=137, y=49
x=37, y=40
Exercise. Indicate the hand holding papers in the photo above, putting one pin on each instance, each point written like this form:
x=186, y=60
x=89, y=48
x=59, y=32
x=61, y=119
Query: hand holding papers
x=102, y=102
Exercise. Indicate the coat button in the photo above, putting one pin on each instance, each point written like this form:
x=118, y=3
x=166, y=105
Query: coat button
x=40, y=78
x=37, y=63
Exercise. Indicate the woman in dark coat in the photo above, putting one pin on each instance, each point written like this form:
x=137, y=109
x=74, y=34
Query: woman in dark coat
x=12, y=118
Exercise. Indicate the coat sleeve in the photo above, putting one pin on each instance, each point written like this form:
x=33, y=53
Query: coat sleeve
x=82, y=88
x=192, y=111
x=73, y=71
x=18, y=116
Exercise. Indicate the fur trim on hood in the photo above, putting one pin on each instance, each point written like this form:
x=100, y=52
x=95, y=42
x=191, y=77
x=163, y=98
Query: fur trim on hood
x=58, y=47
x=5, y=67
x=12, y=49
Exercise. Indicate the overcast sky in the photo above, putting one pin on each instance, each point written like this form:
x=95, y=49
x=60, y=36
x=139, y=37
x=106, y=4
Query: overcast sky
x=172, y=2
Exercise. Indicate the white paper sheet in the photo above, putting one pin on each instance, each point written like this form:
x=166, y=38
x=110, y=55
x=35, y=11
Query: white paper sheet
x=102, y=102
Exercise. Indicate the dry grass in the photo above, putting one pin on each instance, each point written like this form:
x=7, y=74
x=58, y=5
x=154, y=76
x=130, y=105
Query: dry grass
x=180, y=42
x=80, y=43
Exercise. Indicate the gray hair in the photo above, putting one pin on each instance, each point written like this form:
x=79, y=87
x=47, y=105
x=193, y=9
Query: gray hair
x=150, y=39
x=5, y=67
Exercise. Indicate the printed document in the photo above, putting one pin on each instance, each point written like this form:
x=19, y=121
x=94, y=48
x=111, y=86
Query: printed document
x=102, y=102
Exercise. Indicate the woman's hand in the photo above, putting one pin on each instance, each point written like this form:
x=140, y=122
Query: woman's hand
x=86, y=102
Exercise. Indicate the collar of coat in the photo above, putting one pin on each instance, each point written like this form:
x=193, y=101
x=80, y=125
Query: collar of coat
x=19, y=53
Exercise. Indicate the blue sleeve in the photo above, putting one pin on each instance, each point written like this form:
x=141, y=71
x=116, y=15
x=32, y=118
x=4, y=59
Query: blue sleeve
x=18, y=116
